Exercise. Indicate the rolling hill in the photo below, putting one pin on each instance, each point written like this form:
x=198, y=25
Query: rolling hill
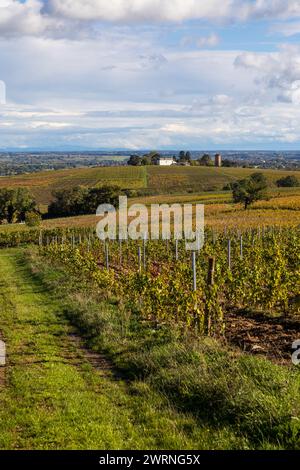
x=149, y=180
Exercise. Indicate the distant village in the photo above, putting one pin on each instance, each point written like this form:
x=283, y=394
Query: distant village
x=16, y=162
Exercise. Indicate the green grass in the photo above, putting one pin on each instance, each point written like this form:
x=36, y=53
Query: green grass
x=54, y=398
x=237, y=400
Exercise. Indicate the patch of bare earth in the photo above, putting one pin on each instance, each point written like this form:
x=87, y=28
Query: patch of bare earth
x=97, y=360
x=258, y=334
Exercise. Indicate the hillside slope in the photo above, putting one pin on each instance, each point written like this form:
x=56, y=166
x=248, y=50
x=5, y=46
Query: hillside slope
x=150, y=180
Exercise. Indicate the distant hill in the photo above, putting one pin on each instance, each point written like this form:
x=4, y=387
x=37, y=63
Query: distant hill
x=147, y=180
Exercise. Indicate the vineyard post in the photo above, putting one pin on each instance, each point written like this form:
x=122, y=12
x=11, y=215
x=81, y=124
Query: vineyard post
x=210, y=283
x=211, y=271
x=120, y=252
x=140, y=259
x=106, y=256
x=194, y=271
x=176, y=250
x=144, y=252
x=41, y=238
x=229, y=254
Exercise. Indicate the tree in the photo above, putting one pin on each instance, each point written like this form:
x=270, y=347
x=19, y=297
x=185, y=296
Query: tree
x=81, y=200
x=184, y=157
x=134, y=160
x=103, y=195
x=68, y=202
x=249, y=190
x=288, y=182
x=229, y=163
x=205, y=160
x=188, y=156
x=147, y=159
x=181, y=156
x=259, y=178
x=15, y=203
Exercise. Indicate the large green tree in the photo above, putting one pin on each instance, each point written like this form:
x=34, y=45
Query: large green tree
x=68, y=202
x=15, y=204
x=249, y=190
x=81, y=200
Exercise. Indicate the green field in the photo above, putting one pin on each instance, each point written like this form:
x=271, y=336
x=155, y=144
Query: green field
x=148, y=180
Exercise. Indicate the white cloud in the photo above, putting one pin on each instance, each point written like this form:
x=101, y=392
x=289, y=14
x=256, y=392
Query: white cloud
x=133, y=86
x=76, y=18
x=276, y=72
x=208, y=41
x=142, y=10
x=173, y=10
x=287, y=29
x=22, y=18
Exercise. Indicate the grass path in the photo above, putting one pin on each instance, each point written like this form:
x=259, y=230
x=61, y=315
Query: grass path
x=55, y=399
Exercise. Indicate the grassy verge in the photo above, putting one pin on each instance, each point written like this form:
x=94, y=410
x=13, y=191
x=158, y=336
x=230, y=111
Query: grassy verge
x=246, y=401
x=55, y=399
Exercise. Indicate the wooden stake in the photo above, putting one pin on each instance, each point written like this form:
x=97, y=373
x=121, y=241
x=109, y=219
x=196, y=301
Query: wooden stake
x=229, y=254
x=211, y=271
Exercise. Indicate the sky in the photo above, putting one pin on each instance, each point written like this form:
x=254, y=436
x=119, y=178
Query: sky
x=150, y=74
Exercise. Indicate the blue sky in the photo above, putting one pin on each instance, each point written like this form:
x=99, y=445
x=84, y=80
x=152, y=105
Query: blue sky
x=160, y=74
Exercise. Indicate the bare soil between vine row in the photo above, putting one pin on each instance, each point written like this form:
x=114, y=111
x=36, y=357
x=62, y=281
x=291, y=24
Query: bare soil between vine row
x=257, y=334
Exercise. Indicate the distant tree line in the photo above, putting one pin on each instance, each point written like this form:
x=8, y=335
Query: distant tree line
x=183, y=158
x=17, y=205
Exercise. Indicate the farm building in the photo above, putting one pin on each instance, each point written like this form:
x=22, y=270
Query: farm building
x=165, y=161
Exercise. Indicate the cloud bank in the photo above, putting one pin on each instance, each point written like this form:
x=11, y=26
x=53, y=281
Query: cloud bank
x=59, y=17
x=149, y=73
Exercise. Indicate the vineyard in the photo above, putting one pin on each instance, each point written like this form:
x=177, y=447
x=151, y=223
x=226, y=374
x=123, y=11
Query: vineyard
x=149, y=180
x=196, y=346
x=257, y=269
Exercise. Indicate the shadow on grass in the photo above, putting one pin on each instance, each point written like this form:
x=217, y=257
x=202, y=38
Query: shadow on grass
x=257, y=399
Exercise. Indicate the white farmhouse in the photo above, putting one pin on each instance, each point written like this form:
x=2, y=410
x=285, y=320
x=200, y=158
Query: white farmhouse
x=165, y=161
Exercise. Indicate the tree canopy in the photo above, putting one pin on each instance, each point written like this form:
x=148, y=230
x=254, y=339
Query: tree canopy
x=81, y=200
x=250, y=190
x=205, y=160
x=288, y=182
x=15, y=204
